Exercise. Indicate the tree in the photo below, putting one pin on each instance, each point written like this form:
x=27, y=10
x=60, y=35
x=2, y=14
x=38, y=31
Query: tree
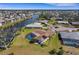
x=52, y=52
x=52, y=21
x=43, y=45
x=45, y=15
x=61, y=51
x=11, y=53
x=31, y=42
x=61, y=48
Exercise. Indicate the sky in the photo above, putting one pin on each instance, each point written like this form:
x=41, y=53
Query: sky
x=62, y=6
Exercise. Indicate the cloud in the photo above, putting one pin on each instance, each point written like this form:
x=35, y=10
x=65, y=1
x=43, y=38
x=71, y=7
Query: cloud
x=65, y=4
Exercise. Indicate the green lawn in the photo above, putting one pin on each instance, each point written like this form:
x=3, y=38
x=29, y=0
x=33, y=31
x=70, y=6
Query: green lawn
x=21, y=38
x=54, y=42
x=22, y=46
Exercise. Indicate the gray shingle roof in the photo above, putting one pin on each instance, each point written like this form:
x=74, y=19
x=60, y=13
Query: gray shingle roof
x=2, y=21
x=76, y=23
x=70, y=35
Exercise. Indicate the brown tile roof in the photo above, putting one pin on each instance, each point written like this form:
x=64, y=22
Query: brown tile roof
x=41, y=32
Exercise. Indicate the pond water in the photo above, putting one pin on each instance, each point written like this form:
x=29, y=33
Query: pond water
x=10, y=32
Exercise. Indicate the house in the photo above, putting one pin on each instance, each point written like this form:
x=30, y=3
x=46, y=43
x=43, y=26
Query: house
x=34, y=25
x=70, y=38
x=43, y=21
x=40, y=35
x=63, y=22
x=41, y=40
x=59, y=18
x=75, y=23
x=2, y=22
x=67, y=29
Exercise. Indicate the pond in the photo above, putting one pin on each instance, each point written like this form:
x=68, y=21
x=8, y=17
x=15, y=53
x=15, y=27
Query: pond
x=9, y=33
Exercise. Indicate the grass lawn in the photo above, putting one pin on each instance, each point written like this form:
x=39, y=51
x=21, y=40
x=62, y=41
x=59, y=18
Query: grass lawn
x=54, y=42
x=22, y=46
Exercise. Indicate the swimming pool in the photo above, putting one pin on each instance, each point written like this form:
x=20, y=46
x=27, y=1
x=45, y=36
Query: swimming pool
x=30, y=36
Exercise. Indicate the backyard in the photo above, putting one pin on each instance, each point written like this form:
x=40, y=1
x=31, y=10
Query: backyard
x=20, y=45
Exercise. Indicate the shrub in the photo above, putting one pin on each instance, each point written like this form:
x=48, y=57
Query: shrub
x=52, y=52
x=60, y=52
x=11, y=53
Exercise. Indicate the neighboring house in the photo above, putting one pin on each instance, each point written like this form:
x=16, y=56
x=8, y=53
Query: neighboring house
x=59, y=18
x=67, y=29
x=34, y=25
x=70, y=38
x=7, y=20
x=43, y=21
x=2, y=22
x=75, y=23
x=63, y=22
